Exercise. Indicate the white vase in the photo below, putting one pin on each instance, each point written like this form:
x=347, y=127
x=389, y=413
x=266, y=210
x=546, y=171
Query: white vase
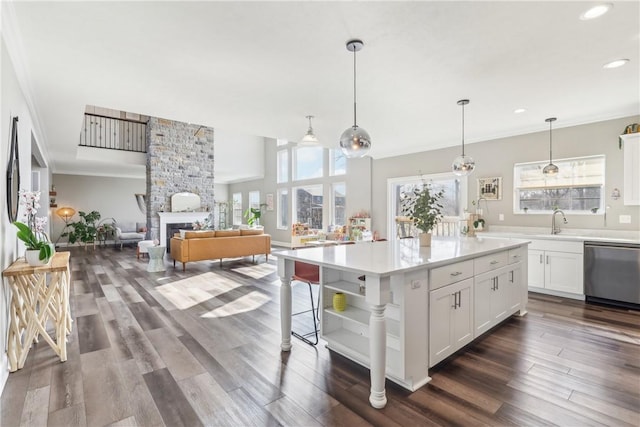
x=425, y=239
x=33, y=258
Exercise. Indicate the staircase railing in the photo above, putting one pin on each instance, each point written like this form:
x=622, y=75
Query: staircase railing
x=114, y=134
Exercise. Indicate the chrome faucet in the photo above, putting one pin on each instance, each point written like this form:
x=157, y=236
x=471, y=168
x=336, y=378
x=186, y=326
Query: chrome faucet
x=555, y=229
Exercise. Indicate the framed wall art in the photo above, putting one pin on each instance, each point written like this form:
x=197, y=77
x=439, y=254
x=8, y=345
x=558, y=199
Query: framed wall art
x=269, y=201
x=490, y=188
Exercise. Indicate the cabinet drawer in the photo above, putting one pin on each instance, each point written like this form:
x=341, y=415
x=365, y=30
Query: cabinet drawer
x=518, y=254
x=490, y=262
x=447, y=274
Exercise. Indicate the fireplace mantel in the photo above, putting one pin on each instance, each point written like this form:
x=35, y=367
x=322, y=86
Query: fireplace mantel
x=178, y=217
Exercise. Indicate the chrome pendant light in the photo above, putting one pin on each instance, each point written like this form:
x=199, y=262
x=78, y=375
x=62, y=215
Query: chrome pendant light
x=309, y=139
x=355, y=141
x=550, y=169
x=463, y=165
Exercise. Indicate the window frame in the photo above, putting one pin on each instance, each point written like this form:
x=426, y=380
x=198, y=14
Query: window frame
x=295, y=167
x=280, y=208
x=333, y=203
x=563, y=165
x=294, y=204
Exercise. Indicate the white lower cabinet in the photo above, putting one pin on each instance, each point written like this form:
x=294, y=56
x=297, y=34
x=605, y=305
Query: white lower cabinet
x=556, y=270
x=450, y=319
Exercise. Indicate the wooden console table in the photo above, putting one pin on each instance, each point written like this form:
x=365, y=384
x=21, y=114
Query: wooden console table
x=39, y=295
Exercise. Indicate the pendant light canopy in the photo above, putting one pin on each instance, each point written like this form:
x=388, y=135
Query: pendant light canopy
x=463, y=165
x=309, y=139
x=355, y=141
x=550, y=169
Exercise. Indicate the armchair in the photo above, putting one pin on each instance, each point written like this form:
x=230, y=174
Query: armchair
x=127, y=233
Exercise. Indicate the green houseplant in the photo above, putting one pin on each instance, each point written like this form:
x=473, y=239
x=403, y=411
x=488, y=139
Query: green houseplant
x=85, y=230
x=253, y=215
x=423, y=207
x=34, y=243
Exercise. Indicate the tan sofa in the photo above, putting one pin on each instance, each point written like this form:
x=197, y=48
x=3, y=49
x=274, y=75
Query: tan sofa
x=210, y=245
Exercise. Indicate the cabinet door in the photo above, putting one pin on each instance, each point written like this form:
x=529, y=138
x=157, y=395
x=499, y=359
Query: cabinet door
x=450, y=319
x=491, y=291
x=514, y=284
x=631, y=192
x=462, y=315
x=563, y=272
x=441, y=303
x=536, y=268
x=483, y=288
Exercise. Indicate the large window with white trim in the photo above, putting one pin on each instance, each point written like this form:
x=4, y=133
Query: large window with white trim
x=282, y=166
x=254, y=199
x=577, y=188
x=307, y=206
x=308, y=163
x=283, y=209
x=237, y=208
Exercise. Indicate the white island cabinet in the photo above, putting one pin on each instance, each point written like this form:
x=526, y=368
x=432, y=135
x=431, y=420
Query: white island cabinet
x=409, y=307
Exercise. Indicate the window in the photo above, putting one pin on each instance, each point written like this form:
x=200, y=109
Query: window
x=283, y=209
x=338, y=162
x=308, y=163
x=254, y=199
x=453, y=200
x=578, y=187
x=283, y=166
x=338, y=199
x=308, y=205
x=237, y=208
x=281, y=142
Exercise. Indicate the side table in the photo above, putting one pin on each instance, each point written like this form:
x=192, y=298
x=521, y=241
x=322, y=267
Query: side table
x=156, y=258
x=39, y=295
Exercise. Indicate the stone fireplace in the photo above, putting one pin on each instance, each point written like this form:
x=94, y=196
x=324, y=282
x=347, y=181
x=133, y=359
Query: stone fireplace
x=179, y=159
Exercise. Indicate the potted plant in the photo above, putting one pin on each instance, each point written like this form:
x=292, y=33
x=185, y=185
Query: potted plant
x=85, y=230
x=39, y=249
x=253, y=215
x=423, y=207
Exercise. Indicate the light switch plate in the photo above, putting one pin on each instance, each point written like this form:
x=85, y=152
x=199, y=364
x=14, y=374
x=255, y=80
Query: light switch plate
x=624, y=219
x=501, y=217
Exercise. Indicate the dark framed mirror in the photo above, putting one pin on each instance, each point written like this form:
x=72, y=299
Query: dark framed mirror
x=13, y=173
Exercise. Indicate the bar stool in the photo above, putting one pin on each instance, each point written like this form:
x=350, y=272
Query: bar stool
x=310, y=274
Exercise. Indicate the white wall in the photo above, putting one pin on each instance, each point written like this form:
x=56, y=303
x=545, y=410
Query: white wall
x=13, y=104
x=112, y=197
x=496, y=159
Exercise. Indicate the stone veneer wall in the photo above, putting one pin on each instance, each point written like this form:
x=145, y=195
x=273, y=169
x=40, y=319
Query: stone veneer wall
x=179, y=158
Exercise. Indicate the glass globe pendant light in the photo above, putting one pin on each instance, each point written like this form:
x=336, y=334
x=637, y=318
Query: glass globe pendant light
x=355, y=141
x=550, y=169
x=309, y=139
x=463, y=165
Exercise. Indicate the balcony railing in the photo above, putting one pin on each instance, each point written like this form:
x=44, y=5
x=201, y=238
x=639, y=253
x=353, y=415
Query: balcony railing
x=114, y=134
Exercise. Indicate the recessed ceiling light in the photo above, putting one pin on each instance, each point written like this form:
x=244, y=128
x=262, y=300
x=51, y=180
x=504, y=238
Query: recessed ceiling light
x=519, y=110
x=615, y=64
x=596, y=11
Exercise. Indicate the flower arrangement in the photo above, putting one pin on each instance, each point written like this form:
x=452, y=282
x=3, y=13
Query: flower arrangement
x=205, y=224
x=33, y=232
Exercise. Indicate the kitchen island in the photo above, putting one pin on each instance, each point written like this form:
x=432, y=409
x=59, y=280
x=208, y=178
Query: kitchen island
x=409, y=307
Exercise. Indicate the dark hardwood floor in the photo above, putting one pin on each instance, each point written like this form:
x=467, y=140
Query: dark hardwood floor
x=202, y=348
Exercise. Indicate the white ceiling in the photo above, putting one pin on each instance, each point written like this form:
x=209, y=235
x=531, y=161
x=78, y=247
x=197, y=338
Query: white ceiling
x=258, y=68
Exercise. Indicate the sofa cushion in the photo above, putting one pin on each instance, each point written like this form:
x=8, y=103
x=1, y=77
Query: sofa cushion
x=250, y=232
x=227, y=233
x=199, y=234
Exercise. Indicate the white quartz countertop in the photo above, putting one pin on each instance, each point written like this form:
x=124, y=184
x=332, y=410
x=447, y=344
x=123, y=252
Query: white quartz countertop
x=384, y=258
x=571, y=235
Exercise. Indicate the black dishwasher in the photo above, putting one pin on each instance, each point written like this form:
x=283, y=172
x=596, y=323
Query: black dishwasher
x=612, y=273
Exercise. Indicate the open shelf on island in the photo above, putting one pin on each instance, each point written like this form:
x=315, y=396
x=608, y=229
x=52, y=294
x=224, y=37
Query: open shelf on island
x=348, y=288
x=362, y=316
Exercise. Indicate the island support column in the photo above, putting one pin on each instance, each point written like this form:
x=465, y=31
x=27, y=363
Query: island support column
x=378, y=295
x=285, y=271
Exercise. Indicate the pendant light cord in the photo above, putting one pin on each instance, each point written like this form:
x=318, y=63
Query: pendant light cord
x=550, y=143
x=462, y=130
x=355, y=122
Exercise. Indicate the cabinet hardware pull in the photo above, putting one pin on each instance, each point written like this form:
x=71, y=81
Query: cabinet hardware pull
x=540, y=258
x=459, y=299
x=547, y=259
x=516, y=256
x=511, y=279
x=493, y=262
x=457, y=273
